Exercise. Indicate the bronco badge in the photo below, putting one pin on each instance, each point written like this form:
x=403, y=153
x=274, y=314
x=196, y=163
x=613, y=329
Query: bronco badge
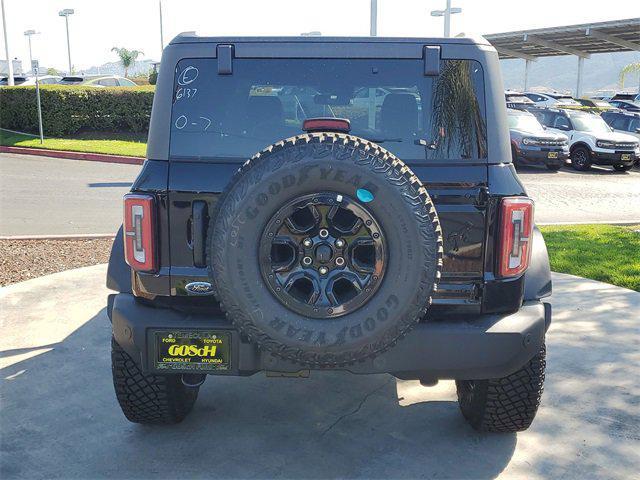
x=199, y=288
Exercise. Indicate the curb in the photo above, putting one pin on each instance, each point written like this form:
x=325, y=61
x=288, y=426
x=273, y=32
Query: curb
x=78, y=236
x=599, y=222
x=92, y=157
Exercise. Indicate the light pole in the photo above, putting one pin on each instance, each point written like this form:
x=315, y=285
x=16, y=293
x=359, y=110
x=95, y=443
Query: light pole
x=161, y=36
x=446, y=13
x=373, y=29
x=65, y=13
x=28, y=34
x=6, y=47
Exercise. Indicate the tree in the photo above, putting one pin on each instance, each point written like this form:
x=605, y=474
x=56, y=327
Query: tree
x=127, y=57
x=52, y=71
x=631, y=68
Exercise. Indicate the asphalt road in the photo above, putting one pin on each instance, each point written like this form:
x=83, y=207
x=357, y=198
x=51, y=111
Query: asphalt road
x=60, y=418
x=598, y=195
x=51, y=196
x=47, y=196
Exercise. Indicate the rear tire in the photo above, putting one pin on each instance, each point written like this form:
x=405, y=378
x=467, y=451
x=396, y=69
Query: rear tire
x=506, y=404
x=148, y=399
x=581, y=159
x=622, y=168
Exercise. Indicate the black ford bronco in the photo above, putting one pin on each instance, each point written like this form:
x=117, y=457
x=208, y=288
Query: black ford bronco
x=329, y=204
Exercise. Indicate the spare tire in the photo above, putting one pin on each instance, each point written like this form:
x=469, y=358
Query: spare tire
x=325, y=249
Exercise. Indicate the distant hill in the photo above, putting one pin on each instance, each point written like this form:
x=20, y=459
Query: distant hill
x=140, y=67
x=600, y=72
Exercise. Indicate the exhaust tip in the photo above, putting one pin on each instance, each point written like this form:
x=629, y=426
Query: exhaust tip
x=193, y=380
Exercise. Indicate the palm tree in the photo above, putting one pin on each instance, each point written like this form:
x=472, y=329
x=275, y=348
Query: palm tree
x=631, y=68
x=127, y=57
x=457, y=119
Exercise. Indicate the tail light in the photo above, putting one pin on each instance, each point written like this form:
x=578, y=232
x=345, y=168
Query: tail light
x=139, y=232
x=516, y=228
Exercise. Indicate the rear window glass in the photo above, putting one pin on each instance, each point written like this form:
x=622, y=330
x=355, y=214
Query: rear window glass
x=70, y=80
x=387, y=101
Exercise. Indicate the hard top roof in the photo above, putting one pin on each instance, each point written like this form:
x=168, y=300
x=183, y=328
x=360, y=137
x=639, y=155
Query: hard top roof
x=192, y=37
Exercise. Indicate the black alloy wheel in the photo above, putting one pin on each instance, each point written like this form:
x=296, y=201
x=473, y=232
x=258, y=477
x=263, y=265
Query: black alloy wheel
x=323, y=255
x=581, y=159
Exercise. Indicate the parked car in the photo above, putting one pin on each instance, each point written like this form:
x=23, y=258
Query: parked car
x=606, y=96
x=97, y=81
x=517, y=100
x=24, y=81
x=531, y=144
x=624, y=122
x=629, y=105
x=595, y=104
x=634, y=97
x=17, y=80
x=324, y=249
x=552, y=99
x=591, y=140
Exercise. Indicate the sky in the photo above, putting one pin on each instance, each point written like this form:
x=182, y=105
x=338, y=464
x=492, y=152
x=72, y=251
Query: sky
x=99, y=25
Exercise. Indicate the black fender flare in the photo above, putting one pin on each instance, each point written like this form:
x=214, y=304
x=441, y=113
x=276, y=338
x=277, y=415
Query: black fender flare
x=537, y=279
x=581, y=144
x=118, y=271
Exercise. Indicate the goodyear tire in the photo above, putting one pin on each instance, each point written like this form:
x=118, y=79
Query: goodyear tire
x=148, y=399
x=338, y=204
x=506, y=404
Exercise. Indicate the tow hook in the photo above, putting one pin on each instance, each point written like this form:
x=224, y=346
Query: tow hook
x=193, y=380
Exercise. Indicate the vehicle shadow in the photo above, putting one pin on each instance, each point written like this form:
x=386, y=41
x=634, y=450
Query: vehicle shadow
x=60, y=419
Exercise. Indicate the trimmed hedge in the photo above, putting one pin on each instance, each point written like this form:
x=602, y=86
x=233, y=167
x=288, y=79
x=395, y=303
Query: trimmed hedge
x=69, y=109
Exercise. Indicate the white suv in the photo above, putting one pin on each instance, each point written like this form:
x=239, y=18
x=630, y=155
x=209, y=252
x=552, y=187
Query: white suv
x=552, y=99
x=591, y=140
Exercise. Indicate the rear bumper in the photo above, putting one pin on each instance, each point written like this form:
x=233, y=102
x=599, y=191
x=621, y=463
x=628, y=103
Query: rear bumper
x=486, y=346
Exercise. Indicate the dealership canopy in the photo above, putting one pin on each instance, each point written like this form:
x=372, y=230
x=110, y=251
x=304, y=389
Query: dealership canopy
x=579, y=40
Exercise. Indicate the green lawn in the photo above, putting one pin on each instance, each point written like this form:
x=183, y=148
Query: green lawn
x=601, y=252
x=133, y=145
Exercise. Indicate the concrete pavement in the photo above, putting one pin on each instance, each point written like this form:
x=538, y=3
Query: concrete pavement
x=47, y=196
x=60, y=417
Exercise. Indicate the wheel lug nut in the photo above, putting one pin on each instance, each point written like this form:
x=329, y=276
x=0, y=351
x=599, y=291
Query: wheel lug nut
x=307, y=242
x=323, y=270
x=339, y=261
x=307, y=261
x=324, y=233
x=339, y=243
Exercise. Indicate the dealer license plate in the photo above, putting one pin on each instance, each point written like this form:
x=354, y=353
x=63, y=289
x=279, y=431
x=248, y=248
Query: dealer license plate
x=192, y=350
x=625, y=156
x=553, y=154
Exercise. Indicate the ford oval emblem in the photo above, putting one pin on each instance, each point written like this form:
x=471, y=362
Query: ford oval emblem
x=199, y=288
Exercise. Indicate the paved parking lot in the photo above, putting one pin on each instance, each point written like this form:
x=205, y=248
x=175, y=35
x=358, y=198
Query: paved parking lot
x=45, y=196
x=52, y=196
x=60, y=418
x=599, y=195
